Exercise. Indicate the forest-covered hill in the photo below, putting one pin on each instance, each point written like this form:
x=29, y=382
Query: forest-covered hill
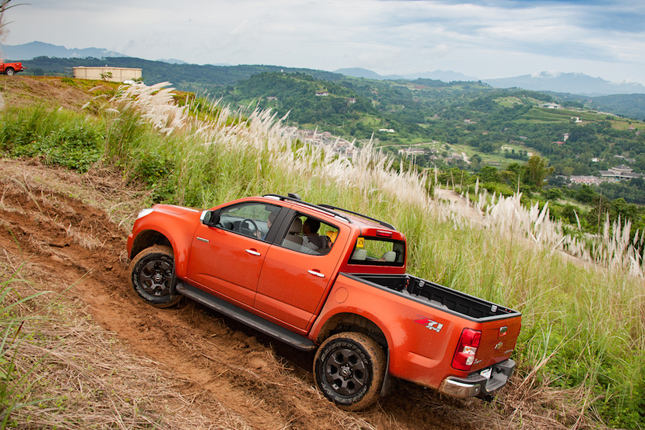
x=462, y=124
x=185, y=77
x=207, y=78
x=491, y=126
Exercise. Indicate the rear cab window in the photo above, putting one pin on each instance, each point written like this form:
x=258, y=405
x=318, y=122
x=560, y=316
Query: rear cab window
x=377, y=251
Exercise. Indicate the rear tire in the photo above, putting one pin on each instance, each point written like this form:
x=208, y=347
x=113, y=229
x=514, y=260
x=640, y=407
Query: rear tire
x=9, y=71
x=152, y=274
x=349, y=369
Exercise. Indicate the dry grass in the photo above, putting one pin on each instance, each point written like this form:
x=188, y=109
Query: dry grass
x=83, y=376
x=101, y=187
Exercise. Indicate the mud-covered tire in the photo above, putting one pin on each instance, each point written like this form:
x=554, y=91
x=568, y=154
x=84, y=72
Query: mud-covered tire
x=349, y=369
x=152, y=275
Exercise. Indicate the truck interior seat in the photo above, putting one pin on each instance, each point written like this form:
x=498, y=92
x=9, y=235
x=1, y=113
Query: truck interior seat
x=293, y=239
x=359, y=254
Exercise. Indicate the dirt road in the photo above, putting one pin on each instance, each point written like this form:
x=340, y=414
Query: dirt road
x=68, y=227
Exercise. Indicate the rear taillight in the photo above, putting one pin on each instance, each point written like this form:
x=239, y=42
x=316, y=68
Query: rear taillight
x=467, y=349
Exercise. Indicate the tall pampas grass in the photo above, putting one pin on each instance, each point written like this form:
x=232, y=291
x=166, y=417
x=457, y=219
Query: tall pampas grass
x=587, y=291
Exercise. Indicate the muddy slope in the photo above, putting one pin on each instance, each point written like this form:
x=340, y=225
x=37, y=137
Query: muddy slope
x=68, y=226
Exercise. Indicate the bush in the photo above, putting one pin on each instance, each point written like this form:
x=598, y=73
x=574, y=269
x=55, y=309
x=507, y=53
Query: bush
x=499, y=188
x=55, y=137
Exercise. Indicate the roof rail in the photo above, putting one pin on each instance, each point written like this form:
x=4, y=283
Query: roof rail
x=383, y=223
x=324, y=208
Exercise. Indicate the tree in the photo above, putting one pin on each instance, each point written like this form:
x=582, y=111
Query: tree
x=488, y=174
x=537, y=170
x=585, y=194
x=4, y=5
x=552, y=194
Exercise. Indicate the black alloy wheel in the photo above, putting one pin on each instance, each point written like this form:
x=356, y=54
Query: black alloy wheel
x=152, y=274
x=349, y=369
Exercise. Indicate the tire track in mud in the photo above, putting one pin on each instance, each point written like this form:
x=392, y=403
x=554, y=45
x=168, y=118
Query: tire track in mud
x=79, y=245
x=213, y=356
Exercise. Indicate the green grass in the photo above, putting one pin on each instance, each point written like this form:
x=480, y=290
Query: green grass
x=582, y=328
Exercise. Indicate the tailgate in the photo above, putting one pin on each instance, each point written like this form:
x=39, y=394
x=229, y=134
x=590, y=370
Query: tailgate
x=497, y=342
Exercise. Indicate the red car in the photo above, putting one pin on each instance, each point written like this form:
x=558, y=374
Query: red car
x=324, y=278
x=10, y=68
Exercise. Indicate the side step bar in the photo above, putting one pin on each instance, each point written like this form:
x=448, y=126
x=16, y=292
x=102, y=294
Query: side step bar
x=254, y=321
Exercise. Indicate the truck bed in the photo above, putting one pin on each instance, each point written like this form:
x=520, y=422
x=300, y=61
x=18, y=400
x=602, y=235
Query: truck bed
x=449, y=300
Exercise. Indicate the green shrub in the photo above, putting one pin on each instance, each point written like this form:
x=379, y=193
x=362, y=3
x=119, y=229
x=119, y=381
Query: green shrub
x=55, y=137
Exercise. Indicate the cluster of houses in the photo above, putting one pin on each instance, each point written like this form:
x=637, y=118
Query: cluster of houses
x=614, y=174
x=346, y=148
x=416, y=151
x=314, y=137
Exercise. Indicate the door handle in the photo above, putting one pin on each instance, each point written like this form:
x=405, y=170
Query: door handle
x=253, y=252
x=316, y=273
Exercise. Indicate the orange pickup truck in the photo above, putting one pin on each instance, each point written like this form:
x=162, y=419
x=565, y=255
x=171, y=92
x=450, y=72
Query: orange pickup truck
x=10, y=68
x=323, y=278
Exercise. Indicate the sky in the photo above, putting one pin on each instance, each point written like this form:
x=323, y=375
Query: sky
x=483, y=39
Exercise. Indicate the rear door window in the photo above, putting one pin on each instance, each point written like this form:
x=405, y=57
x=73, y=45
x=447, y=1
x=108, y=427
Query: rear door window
x=310, y=235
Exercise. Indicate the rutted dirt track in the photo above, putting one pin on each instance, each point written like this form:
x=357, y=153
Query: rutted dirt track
x=66, y=225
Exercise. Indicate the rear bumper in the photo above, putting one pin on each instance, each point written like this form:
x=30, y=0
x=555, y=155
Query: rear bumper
x=476, y=385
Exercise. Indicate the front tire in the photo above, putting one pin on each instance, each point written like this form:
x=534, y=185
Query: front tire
x=152, y=274
x=349, y=369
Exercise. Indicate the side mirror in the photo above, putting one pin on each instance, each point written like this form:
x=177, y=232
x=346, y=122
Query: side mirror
x=210, y=218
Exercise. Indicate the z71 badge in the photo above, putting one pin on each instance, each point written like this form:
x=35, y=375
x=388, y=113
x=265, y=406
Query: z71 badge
x=430, y=324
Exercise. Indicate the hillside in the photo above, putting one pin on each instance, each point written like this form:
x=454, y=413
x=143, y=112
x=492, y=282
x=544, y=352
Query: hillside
x=185, y=77
x=30, y=50
x=209, y=79
x=461, y=124
x=180, y=368
x=177, y=367
x=571, y=83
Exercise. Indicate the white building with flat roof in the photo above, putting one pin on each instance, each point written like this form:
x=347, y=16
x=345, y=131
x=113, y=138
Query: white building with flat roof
x=114, y=74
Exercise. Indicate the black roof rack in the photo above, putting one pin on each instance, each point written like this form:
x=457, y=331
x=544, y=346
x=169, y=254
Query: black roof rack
x=324, y=208
x=383, y=223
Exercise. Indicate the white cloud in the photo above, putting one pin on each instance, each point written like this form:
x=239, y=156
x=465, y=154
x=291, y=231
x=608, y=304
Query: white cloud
x=484, y=39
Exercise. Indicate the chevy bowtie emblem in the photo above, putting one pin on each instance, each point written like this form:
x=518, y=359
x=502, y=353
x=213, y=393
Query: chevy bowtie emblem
x=499, y=345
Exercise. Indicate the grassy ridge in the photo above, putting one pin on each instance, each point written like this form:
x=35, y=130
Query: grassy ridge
x=582, y=329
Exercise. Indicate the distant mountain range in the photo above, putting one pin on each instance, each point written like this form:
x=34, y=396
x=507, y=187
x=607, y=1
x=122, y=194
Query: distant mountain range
x=30, y=50
x=439, y=75
x=572, y=83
